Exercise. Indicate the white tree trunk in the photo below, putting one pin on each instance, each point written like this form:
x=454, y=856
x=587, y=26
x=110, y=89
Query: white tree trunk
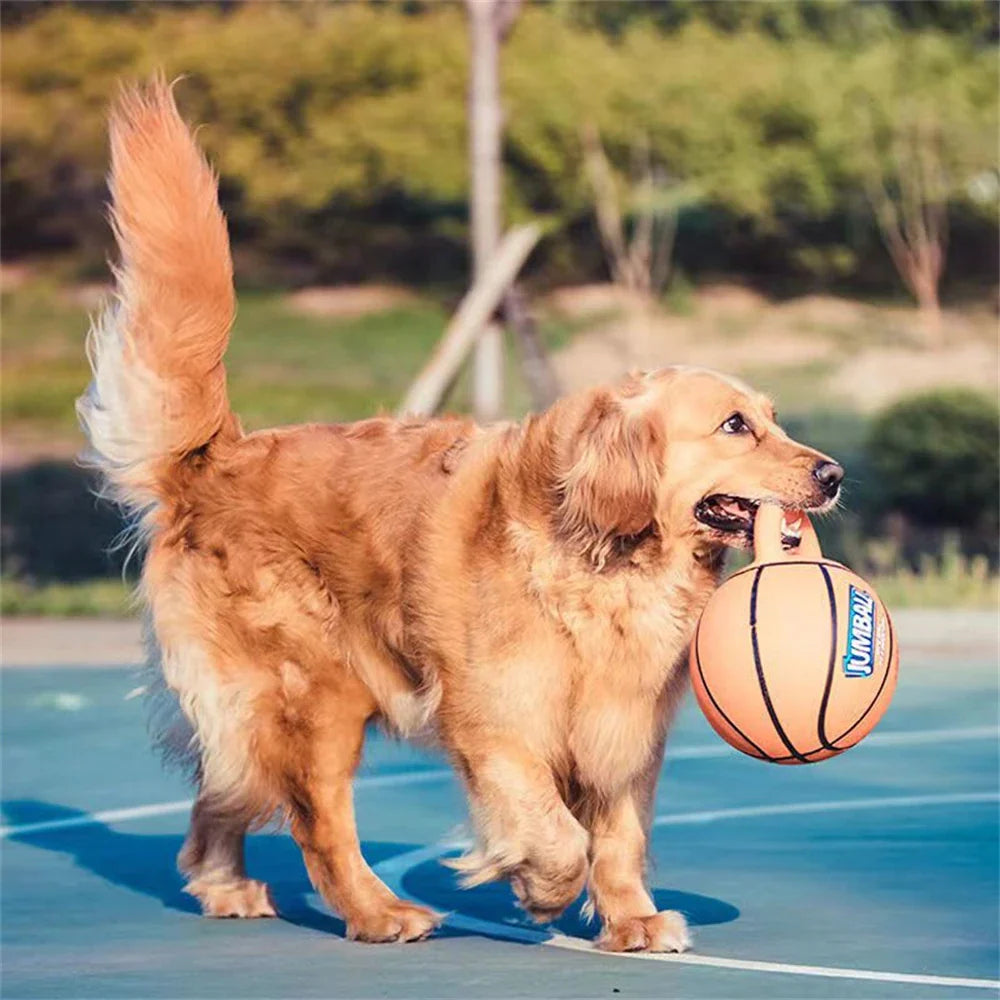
x=485, y=128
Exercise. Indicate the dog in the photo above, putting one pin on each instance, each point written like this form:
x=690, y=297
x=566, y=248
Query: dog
x=520, y=594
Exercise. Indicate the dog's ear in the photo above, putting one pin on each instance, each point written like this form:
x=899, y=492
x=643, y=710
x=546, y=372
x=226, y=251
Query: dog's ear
x=612, y=473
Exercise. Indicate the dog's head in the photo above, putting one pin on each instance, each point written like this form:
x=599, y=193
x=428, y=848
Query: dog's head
x=682, y=452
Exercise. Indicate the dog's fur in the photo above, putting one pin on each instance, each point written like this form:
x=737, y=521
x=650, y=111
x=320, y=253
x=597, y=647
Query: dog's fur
x=521, y=594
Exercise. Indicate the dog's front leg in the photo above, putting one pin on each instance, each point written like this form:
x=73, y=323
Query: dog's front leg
x=617, y=887
x=526, y=832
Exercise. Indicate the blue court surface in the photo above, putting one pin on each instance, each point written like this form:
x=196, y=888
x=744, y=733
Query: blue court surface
x=871, y=875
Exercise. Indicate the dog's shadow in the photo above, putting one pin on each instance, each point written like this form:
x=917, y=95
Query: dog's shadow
x=146, y=864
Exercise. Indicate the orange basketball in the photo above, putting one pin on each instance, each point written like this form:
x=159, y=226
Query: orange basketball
x=794, y=659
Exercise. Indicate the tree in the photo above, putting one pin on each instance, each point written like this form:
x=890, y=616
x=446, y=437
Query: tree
x=920, y=128
x=489, y=23
x=640, y=259
x=907, y=187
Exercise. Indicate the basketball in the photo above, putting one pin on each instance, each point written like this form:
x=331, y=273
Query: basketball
x=794, y=659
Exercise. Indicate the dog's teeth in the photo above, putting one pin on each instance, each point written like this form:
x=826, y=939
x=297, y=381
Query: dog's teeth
x=792, y=530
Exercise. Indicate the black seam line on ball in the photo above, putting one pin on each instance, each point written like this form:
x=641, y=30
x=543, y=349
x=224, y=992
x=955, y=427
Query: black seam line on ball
x=718, y=707
x=885, y=677
x=807, y=754
x=786, y=562
x=760, y=672
x=828, y=687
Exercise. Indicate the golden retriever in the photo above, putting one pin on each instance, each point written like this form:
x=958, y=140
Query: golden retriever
x=521, y=594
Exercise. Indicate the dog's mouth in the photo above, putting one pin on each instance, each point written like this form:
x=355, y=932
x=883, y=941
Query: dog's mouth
x=732, y=518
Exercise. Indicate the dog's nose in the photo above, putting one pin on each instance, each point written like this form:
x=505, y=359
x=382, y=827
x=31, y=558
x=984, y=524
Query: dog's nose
x=828, y=475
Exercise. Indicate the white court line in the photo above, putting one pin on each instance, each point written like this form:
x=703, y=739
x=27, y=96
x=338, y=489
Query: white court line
x=183, y=805
x=898, y=739
x=441, y=774
x=838, y=805
x=394, y=870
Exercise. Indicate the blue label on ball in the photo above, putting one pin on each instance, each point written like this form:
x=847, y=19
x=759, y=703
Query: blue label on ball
x=859, y=660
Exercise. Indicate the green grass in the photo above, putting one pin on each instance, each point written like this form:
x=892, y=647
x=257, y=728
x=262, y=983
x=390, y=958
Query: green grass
x=906, y=589
x=796, y=387
x=932, y=587
x=949, y=580
x=288, y=368
x=109, y=598
x=283, y=367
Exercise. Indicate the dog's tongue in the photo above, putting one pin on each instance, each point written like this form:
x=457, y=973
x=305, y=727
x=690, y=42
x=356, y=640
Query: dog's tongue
x=732, y=507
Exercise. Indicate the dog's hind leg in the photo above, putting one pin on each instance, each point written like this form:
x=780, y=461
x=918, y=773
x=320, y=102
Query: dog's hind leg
x=322, y=820
x=212, y=860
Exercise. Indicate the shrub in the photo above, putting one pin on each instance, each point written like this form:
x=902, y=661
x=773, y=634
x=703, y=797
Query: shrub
x=935, y=459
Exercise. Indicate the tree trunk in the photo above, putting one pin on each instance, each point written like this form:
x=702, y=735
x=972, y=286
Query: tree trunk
x=485, y=124
x=535, y=364
x=924, y=283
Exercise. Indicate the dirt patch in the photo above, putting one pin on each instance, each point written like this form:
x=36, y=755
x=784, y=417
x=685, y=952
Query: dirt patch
x=817, y=348
x=581, y=301
x=824, y=311
x=653, y=339
x=349, y=301
x=726, y=299
x=46, y=642
x=14, y=276
x=23, y=447
x=876, y=377
x=90, y=296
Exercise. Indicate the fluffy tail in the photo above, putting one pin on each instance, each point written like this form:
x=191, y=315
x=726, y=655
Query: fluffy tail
x=158, y=391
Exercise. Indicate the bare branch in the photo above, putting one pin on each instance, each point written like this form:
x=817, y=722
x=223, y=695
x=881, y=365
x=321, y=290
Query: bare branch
x=505, y=14
x=640, y=263
x=606, y=206
x=913, y=221
x=535, y=364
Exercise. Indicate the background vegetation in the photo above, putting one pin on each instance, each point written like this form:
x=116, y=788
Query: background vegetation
x=339, y=128
x=340, y=136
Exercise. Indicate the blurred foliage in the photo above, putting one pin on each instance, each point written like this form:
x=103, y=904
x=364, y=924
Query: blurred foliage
x=936, y=459
x=54, y=527
x=100, y=598
x=922, y=489
x=340, y=136
x=948, y=580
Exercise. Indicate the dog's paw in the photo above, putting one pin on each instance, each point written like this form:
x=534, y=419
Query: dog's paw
x=246, y=898
x=664, y=931
x=397, y=921
x=544, y=891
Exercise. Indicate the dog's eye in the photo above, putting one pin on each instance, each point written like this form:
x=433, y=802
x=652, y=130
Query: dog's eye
x=734, y=424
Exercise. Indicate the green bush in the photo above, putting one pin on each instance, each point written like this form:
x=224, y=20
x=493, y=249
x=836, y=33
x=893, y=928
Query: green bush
x=934, y=457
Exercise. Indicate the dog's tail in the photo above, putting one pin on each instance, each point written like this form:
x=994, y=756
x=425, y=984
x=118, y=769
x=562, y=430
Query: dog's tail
x=158, y=391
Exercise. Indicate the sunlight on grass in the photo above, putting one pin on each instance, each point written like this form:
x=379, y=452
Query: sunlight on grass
x=284, y=367
x=950, y=580
x=110, y=598
x=938, y=584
